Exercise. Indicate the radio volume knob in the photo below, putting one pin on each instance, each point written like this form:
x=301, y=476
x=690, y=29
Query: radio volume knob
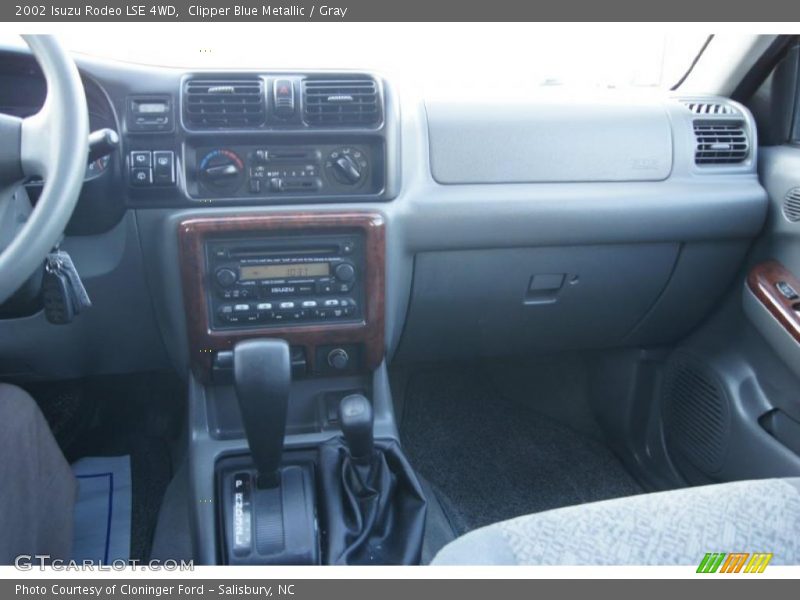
x=226, y=277
x=345, y=272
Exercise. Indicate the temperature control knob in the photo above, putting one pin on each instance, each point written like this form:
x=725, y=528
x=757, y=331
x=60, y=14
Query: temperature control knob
x=222, y=170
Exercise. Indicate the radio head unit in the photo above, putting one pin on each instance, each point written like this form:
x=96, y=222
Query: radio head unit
x=280, y=280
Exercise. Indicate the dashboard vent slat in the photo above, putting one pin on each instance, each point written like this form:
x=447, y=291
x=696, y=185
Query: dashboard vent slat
x=791, y=205
x=710, y=108
x=720, y=143
x=210, y=103
x=341, y=101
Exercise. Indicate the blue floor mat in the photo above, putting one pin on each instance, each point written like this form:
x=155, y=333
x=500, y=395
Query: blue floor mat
x=102, y=527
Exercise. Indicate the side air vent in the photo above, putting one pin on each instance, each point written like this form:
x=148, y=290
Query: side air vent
x=710, y=108
x=210, y=103
x=791, y=205
x=341, y=101
x=720, y=143
x=696, y=414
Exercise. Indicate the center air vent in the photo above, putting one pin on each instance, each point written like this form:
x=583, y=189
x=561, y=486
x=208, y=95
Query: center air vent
x=720, y=143
x=210, y=103
x=341, y=101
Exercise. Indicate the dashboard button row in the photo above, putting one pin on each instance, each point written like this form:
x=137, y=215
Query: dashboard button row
x=272, y=291
x=288, y=310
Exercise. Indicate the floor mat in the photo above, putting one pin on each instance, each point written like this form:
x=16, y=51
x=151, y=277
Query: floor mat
x=492, y=457
x=102, y=527
x=137, y=415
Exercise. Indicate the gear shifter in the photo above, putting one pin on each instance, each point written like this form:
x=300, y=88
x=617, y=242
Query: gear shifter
x=355, y=418
x=373, y=506
x=262, y=371
x=268, y=512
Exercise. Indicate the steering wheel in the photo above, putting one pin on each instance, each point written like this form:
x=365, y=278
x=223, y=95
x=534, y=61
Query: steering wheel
x=53, y=145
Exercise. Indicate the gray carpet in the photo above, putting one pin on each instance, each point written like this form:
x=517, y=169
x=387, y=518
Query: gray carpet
x=492, y=456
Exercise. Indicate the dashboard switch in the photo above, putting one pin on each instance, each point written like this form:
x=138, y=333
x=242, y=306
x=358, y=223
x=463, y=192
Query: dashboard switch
x=140, y=159
x=163, y=167
x=787, y=290
x=141, y=176
x=283, y=97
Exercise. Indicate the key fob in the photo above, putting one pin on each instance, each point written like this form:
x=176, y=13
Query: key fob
x=57, y=297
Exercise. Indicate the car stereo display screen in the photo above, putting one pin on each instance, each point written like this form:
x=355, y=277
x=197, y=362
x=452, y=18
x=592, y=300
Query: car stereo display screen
x=320, y=269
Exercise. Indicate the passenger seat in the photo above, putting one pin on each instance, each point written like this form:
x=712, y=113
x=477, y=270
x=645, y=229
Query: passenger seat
x=665, y=528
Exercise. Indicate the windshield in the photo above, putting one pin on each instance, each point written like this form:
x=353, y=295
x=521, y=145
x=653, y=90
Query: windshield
x=432, y=55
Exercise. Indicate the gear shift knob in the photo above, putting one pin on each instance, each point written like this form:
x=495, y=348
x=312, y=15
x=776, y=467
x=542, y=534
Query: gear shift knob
x=262, y=372
x=355, y=418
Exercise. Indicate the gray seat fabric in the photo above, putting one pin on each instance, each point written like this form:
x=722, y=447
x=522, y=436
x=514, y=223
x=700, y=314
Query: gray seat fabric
x=37, y=487
x=666, y=528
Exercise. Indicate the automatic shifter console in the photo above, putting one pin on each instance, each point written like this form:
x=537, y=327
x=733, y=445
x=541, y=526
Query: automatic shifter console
x=268, y=507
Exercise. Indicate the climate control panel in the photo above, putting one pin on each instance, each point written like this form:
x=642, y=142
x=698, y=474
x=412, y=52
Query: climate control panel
x=266, y=170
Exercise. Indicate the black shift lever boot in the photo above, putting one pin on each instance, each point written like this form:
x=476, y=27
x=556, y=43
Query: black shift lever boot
x=373, y=506
x=262, y=371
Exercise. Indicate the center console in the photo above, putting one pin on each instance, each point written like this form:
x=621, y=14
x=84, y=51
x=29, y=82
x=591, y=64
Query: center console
x=293, y=434
x=294, y=455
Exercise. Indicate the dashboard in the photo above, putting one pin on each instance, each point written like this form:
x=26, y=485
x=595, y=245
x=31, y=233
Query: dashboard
x=481, y=225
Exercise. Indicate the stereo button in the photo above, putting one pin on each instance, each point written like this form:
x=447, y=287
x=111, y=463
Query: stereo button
x=309, y=304
x=324, y=287
x=332, y=302
x=264, y=306
x=241, y=307
x=286, y=305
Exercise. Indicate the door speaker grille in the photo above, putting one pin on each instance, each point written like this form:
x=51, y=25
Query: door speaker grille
x=696, y=414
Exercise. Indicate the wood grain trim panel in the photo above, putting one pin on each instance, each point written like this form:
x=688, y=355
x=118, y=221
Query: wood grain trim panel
x=203, y=341
x=762, y=280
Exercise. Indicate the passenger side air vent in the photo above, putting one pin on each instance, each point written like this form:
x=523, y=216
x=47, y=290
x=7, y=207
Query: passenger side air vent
x=720, y=143
x=341, y=101
x=710, y=108
x=211, y=103
x=791, y=205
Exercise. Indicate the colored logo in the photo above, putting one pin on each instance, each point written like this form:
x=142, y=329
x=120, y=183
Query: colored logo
x=735, y=562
